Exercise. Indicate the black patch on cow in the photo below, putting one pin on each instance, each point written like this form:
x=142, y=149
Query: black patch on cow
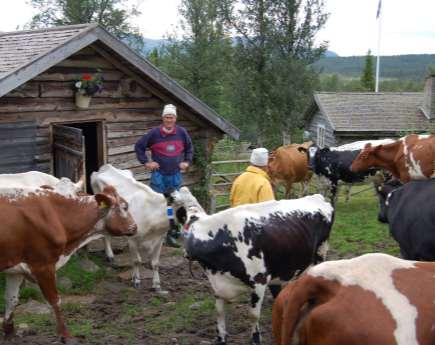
x=260, y=278
x=287, y=243
x=254, y=299
x=210, y=234
x=335, y=166
x=411, y=218
x=181, y=215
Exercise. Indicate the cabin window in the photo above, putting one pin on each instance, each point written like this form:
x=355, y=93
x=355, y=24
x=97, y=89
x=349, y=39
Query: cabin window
x=321, y=136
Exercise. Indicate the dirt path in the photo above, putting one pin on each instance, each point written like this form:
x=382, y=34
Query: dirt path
x=120, y=314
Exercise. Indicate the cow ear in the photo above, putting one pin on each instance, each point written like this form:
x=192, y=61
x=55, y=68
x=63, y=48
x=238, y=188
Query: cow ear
x=103, y=200
x=302, y=149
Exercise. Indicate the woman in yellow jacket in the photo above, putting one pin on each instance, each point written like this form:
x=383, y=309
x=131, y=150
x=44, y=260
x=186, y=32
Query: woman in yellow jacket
x=254, y=184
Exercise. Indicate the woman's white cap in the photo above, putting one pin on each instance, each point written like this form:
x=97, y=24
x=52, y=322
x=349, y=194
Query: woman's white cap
x=169, y=109
x=259, y=157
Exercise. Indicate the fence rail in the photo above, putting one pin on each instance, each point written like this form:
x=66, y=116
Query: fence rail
x=220, y=182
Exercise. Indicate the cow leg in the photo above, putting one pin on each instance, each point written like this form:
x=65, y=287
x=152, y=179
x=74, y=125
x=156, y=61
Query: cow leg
x=13, y=283
x=108, y=249
x=155, y=260
x=348, y=188
x=288, y=190
x=46, y=278
x=136, y=261
x=254, y=312
x=221, y=328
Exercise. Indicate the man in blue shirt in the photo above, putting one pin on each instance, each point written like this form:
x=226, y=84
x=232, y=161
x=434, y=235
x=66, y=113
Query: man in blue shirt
x=171, y=152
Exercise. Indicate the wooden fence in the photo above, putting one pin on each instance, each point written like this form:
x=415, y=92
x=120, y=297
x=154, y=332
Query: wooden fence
x=222, y=176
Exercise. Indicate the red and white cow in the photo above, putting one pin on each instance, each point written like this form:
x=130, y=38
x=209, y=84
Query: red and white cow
x=374, y=299
x=41, y=228
x=409, y=158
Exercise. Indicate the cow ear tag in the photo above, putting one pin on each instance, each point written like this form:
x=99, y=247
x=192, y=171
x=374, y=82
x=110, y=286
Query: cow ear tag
x=103, y=205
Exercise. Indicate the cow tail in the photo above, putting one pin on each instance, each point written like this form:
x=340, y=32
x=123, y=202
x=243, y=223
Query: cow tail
x=302, y=296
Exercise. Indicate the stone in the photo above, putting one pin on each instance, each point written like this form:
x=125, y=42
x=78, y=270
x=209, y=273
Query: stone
x=88, y=265
x=195, y=306
x=64, y=283
x=34, y=307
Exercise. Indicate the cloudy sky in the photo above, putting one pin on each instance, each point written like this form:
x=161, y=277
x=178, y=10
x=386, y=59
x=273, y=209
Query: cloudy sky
x=407, y=26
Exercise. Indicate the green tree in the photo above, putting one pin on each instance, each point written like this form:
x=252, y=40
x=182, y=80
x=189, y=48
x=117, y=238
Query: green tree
x=113, y=15
x=201, y=59
x=273, y=81
x=367, y=78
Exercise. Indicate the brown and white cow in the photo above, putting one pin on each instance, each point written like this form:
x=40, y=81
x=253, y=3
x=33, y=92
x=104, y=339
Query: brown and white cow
x=41, y=228
x=288, y=165
x=409, y=158
x=374, y=299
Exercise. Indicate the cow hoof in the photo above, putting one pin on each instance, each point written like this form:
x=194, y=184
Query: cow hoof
x=219, y=341
x=9, y=330
x=110, y=261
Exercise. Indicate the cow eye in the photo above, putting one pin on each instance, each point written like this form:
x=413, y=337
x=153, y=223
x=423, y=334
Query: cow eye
x=125, y=206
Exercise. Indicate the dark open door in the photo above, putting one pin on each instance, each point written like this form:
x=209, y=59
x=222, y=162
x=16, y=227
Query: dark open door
x=69, y=152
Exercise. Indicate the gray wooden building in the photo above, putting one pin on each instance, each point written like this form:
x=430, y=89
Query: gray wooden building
x=336, y=118
x=41, y=128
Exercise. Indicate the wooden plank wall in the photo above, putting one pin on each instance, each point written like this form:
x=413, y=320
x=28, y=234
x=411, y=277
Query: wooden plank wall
x=127, y=109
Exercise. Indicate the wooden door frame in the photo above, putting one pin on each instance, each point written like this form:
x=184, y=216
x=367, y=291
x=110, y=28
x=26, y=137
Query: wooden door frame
x=101, y=139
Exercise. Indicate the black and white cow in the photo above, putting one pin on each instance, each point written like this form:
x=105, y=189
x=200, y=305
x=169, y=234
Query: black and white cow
x=409, y=211
x=247, y=248
x=334, y=163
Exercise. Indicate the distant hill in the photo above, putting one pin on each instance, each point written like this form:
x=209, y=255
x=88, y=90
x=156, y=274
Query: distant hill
x=150, y=44
x=409, y=67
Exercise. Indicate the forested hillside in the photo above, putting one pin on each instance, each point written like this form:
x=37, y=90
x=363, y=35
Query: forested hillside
x=404, y=67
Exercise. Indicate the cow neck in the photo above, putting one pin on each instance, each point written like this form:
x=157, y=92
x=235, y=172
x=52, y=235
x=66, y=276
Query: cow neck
x=79, y=217
x=388, y=155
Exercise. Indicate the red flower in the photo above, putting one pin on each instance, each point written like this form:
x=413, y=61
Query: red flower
x=87, y=77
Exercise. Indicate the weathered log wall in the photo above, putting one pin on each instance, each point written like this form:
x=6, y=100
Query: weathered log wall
x=126, y=108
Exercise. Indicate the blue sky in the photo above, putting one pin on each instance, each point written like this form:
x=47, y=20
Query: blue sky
x=407, y=26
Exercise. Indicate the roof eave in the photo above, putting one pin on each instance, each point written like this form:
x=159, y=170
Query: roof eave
x=43, y=62
x=161, y=78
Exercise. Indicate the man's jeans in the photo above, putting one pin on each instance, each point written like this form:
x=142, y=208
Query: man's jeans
x=165, y=183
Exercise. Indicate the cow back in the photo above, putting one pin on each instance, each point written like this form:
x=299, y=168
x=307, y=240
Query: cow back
x=289, y=164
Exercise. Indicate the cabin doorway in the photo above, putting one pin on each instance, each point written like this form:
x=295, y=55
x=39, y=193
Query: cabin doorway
x=78, y=149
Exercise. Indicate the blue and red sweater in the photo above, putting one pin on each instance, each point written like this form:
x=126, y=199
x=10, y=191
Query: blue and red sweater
x=167, y=149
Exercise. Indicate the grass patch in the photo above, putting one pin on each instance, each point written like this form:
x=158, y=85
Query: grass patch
x=181, y=315
x=83, y=282
x=356, y=228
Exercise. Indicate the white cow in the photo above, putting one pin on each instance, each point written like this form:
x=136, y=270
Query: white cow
x=148, y=209
x=36, y=179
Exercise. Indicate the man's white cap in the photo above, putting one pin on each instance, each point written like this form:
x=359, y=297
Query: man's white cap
x=259, y=157
x=169, y=109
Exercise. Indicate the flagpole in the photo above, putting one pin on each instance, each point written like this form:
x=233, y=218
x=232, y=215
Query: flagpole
x=379, y=47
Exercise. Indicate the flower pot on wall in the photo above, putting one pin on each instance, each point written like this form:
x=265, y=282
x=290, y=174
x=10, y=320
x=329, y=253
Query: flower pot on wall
x=82, y=101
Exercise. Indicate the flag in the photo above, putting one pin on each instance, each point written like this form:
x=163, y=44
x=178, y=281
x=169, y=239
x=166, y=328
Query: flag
x=378, y=13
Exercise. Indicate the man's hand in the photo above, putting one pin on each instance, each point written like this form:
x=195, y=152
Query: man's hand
x=183, y=166
x=152, y=166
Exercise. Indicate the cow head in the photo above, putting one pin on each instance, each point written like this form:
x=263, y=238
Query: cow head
x=319, y=160
x=366, y=158
x=384, y=191
x=187, y=207
x=117, y=219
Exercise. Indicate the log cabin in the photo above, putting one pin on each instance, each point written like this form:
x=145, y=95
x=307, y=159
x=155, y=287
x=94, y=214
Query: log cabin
x=42, y=128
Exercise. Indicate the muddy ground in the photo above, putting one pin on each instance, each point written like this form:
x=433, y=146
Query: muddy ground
x=118, y=314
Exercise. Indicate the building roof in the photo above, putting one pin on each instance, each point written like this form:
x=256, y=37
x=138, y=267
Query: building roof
x=25, y=54
x=372, y=112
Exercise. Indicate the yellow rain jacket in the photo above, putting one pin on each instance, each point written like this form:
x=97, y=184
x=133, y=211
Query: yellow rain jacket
x=251, y=187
